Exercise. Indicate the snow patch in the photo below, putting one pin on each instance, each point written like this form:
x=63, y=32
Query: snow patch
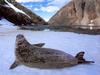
x=46, y=30
x=5, y=25
x=7, y=5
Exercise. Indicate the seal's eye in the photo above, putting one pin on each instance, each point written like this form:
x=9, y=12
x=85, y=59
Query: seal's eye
x=19, y=36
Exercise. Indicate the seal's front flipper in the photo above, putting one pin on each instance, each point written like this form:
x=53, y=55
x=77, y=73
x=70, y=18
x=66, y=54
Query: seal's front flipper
x=89, y=62
x=14, y=65
x=39, y=44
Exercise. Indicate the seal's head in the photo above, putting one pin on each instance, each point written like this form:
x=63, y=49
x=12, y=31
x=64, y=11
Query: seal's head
x=20, y=39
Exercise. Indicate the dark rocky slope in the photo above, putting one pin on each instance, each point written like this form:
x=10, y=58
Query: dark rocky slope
x=18, y=18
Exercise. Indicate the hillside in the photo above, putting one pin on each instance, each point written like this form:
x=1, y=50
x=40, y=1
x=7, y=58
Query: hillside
x=83, y=14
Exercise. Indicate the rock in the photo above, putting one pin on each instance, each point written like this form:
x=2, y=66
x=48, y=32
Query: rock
x=18, y=18
x=0, y=17
x=1, y=1
x=78, y=14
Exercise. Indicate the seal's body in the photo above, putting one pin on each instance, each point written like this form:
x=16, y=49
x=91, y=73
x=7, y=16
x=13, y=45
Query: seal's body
x=36, y=56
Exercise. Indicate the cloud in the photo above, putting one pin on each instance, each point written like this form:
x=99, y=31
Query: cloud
x=36, y=9
x=49, y=9
x=29, y=0
x=59, y=3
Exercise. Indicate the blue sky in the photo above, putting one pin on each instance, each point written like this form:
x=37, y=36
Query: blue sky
x=44, y=8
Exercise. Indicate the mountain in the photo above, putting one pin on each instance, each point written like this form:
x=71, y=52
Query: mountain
x=18, y=14
x=78, y=14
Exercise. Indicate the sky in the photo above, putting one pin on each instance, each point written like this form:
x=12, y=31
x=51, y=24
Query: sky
x=44, y=8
